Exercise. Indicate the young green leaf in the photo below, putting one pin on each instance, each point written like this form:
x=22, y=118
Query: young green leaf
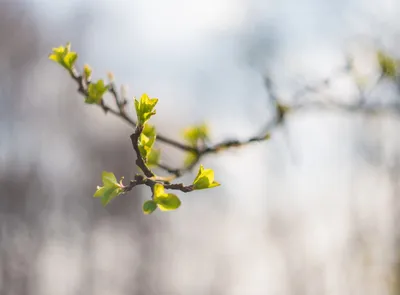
x=64, y=56
x=204, y=179
x=110, y=195
x=149, y=207
x=194, y=134
x=110, y=189
x=146, y=142
x=387, y=64
x=190, y=158
x=96, y=92
x=108, y=178
x=164, y=201
x=145, y=108
x=87, y=72
x=168, y=203
x=149, y=130
x=145, y=145
x=153, y=158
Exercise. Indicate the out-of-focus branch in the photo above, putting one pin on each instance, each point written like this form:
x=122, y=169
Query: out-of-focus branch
x=198, y=152
x=277, y=119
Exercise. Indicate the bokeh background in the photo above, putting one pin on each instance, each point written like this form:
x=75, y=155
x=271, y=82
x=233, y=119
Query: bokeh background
x=314, y=210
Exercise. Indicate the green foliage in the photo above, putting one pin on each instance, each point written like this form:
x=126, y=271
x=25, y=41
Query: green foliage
x=64, y=56
x=149, y=130
x=148, y=136
x=87, y=72
x=146, y=142
x=145, y=145
x=204, y=179
x=194, y=134
x=145, y=108
x=163, y=200
x=149, y=207
x=387, y=64
x=143, y=140
x=190, y=158
x=110, y=189
x=153, y=159
x=145, y=136
x=96, y=92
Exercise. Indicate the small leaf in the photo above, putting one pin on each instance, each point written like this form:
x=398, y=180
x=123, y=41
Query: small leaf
x=149, y=130
x=87, y=72
x=166, y=202
x=110, y=195
x=96, y=92
x=149, y=207
x=64, y=56
x=101, y=191
x=190, y=158
x=153, y=157
x=204, y=179
x=145, y=145
x=145, y=108
x=110, y=189
x=70, y=59
x=194, y=134
x=158, y=190
x=146, y=141
x=108, y=178
x=387, y=64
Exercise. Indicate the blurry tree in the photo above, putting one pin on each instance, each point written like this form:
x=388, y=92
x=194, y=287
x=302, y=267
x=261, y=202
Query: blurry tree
x=34, y=213
x=27, y=195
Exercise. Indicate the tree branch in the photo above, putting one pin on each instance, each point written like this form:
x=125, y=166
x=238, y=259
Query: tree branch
x=200, y=152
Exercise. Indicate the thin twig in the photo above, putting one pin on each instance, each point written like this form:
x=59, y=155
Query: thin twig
x=201, y=151
x=83, y=90
x=150, y=182
x=139, y=159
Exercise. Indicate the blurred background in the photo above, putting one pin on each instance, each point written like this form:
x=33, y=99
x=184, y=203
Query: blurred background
x=314, y=210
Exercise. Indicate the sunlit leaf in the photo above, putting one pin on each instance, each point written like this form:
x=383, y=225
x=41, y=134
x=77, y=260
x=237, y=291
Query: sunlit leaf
x=204, y=179
x=64, y=56
x=165, y=201
x=190, y=158
x=87, y=72
x=158, y=190
x=145, y=145
x=149, y=130
x=168, y=202
x=194, y=134
x=110, y=189
x=110, y=195
x=153, y=157
x=96, y=92
x=108, y=178
x=145, y=108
